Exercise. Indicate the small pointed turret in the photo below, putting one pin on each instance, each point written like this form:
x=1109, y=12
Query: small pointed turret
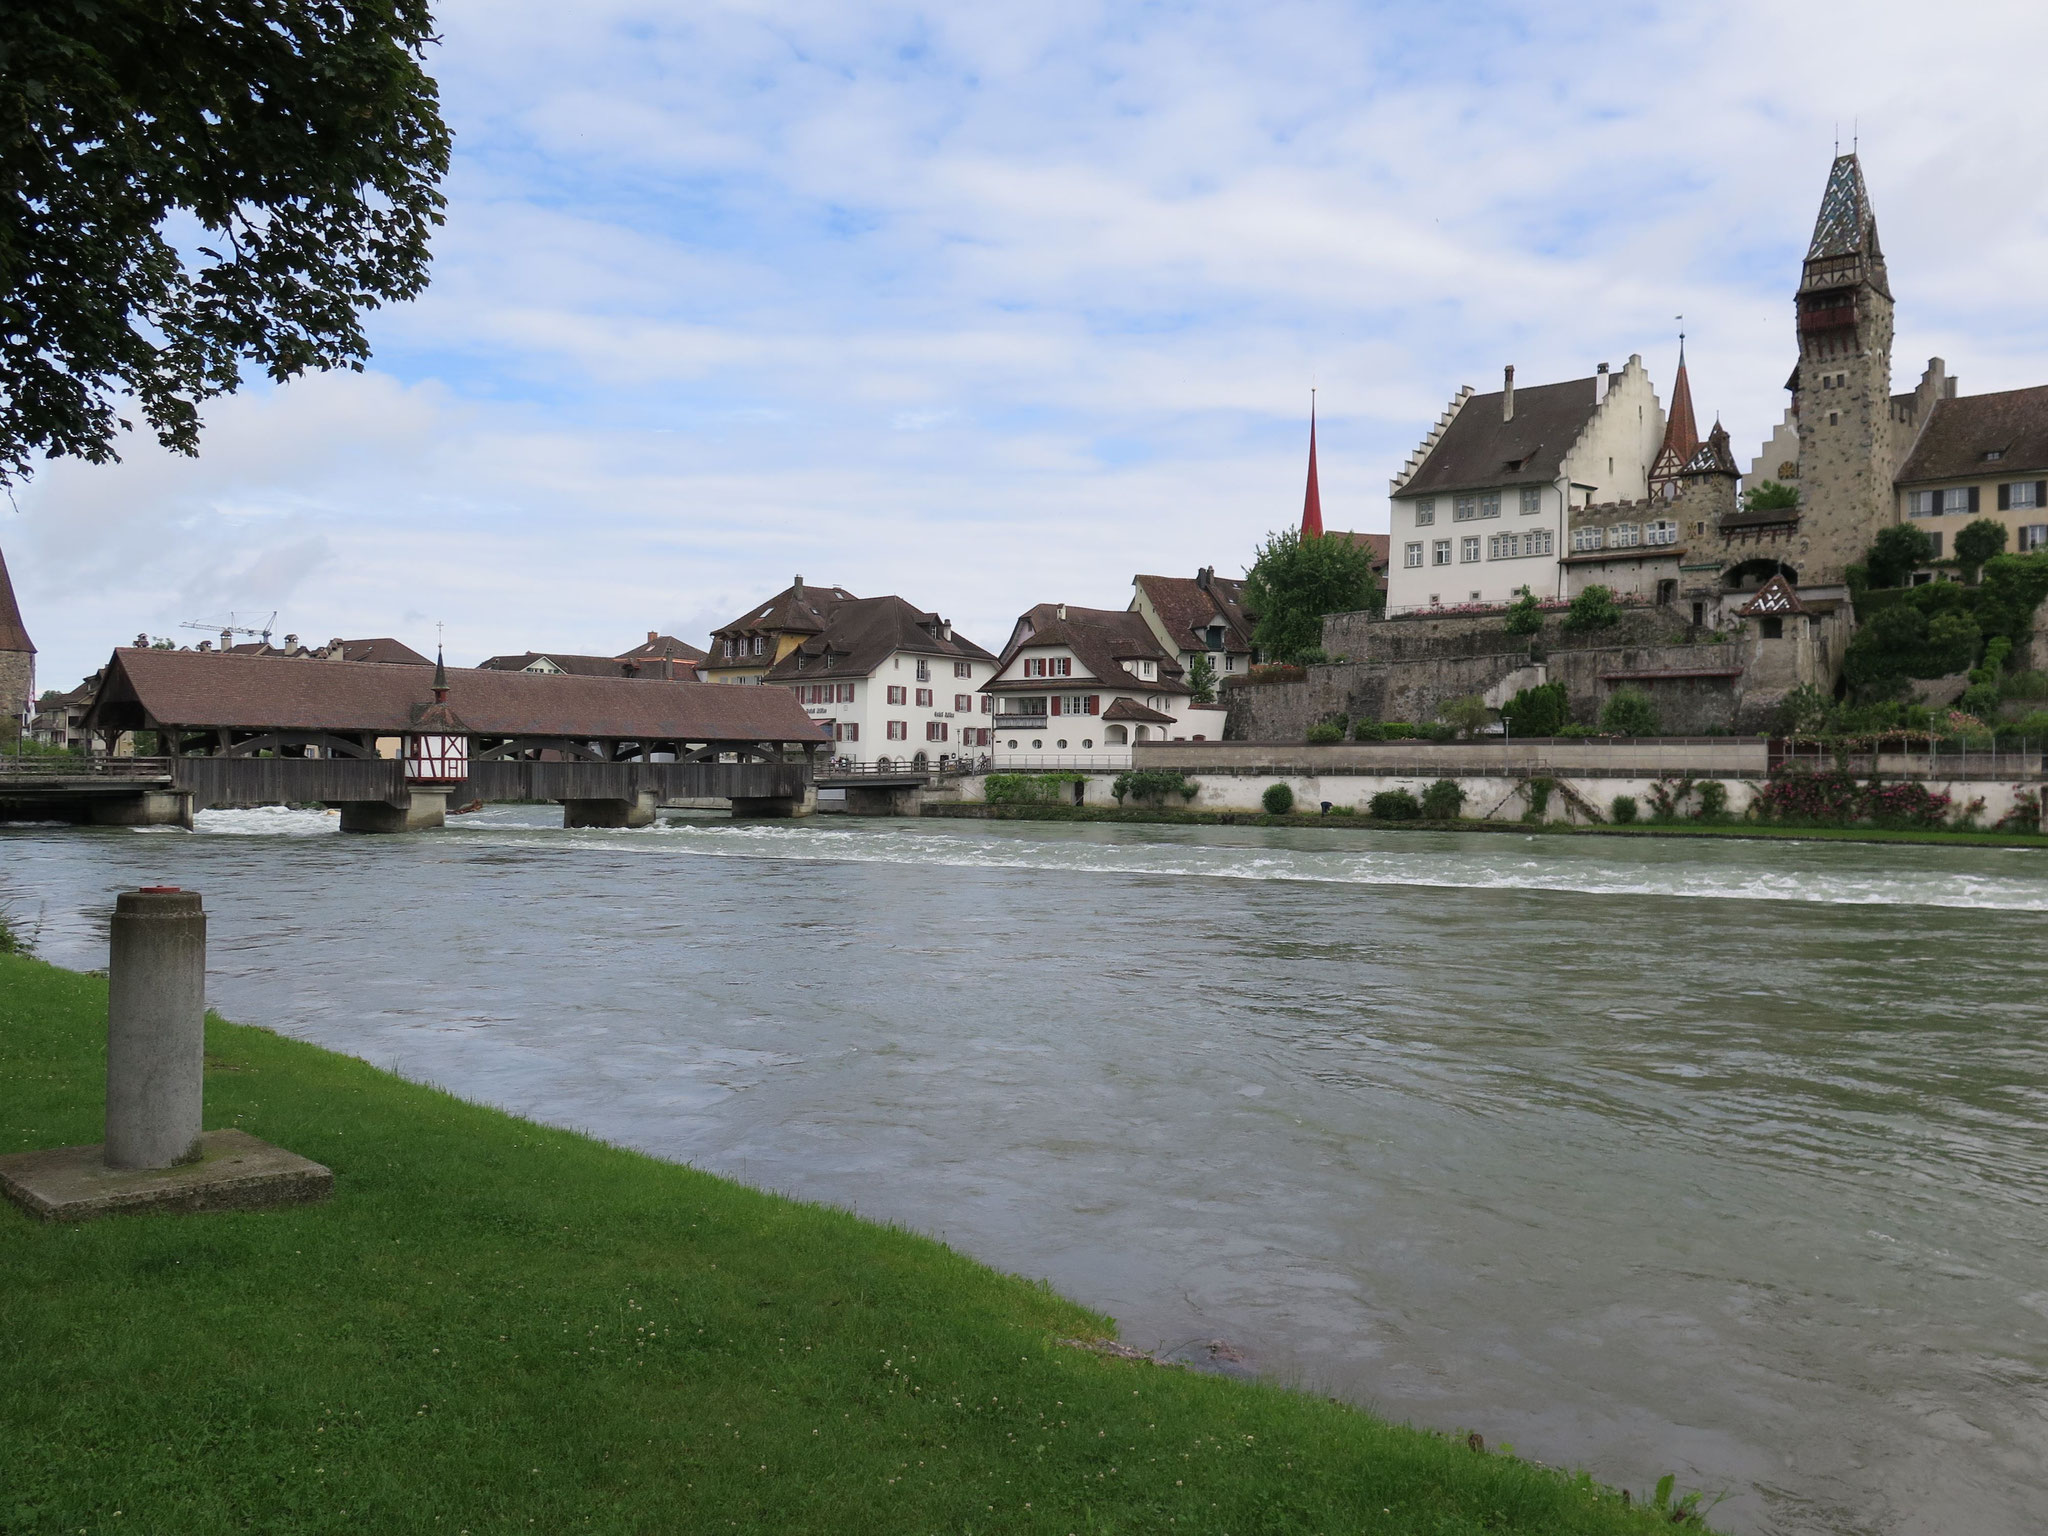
x=440, y=677
x=1312, y=503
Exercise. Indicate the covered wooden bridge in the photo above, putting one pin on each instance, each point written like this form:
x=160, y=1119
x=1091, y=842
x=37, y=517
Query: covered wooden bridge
x=394, y=746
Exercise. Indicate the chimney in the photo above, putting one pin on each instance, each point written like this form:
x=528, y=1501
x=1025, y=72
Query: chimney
x=652, y=636
x=799, y=585
x=1600, y=378
x=1061, y=613
x=1507, y=395
x=1204, y=576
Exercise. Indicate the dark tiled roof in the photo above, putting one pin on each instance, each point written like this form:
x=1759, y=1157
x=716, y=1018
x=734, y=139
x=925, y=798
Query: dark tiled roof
x=149, y=688
x=796, y=609
x=1378, y=545
x=864, y=632
x=1478, y=449
x=659, y=646
x=1959, y=432
x=574, y=666
x=1188, y=609
x=1132, y=710
x=13, y=636
x=382, y=649
x=1103, y=639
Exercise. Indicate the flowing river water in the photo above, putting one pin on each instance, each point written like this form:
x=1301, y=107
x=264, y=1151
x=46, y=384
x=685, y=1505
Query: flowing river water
x=1725, y=1159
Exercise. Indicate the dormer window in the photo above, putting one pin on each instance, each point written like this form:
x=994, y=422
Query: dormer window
x=1992, y=455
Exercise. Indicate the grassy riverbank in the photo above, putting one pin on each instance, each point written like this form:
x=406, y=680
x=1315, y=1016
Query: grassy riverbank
x=499, y=1327
x=1942, y=837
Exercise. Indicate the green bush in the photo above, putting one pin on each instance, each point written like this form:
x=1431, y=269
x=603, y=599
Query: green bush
x=1322, y=734
x=1594, y=608
x=1029, y=788
x=1278, y=799
x=2029, y=727
x=1396, y=730
x=1467, y=715
x=1628, y=712
x=1978, y=542
x=1540, y=790
x=1153, y=784
x=1343, y=810
x=2023, y=685
x=1576, y=732
x=1981, y=700
x=1624, y=809
x=1896, y=554
x=1368, y=730
x=1770, y=496
x=1802, y=712
x=1524, y=617
x=1540, y=711
x=1435, y=730
x=1713, y=800
x=1443, y=801
x=1394, y=805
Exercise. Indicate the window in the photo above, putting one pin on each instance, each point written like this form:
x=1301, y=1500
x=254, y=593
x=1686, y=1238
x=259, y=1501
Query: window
x=1411, y=555
x=847, y=730
x=1468, y=548
x=935, y=730
x=963, y=703
x=1834, y=419
x=1440, y=554
x=1665, y=532
x=1464, y=508
x=1049, y=666
x=1922, y=503
x=897, y=695
x=988, y=704
x=1148, y=669
x=924, y=696
x=1993, y=455
x=1936, y=537
x=1586, y=538
x=1773, y=628
x=1503, y=546
x=760, y=644
x=924, y=670
x=963, y=669
x=899, y=730
x=1959, y=499
x=2033, y=536
x=728, y=650
x=1230, y=662
x=1489, y=504
x=2021, y=496
x=1624, y=536
x=845, y=693
x=1425, y=513
x=1532, y=499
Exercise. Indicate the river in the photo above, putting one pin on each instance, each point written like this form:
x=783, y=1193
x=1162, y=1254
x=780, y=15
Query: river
x=1725, y=1159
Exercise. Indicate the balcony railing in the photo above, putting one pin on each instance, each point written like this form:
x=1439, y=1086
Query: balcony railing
x=1022, y=722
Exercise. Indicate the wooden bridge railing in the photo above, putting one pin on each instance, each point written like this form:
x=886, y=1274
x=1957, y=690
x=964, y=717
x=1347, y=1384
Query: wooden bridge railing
x=249, y=781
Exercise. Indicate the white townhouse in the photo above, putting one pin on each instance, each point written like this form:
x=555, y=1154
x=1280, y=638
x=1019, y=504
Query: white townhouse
x=1076, y=687
x=893, y=683
x=1482, y=507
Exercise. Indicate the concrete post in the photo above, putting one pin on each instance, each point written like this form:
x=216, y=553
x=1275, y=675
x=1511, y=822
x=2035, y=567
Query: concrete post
x=156, y=1028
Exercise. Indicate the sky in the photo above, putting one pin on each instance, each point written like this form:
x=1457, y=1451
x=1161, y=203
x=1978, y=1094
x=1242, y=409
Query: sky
x=991, y=305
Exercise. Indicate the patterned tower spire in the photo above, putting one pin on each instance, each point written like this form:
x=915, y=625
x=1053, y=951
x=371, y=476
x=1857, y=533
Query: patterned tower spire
x=1312, y=503
x=1681, y=434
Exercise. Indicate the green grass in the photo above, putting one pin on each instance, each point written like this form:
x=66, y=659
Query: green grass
x=499, y=1327
x=1737, y=829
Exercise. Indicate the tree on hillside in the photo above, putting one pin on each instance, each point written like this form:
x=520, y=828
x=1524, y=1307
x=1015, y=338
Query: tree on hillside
x=1201, y=679
x=188, y=186
x=1978, y=542
x=1295, y=581
x=1896, y=553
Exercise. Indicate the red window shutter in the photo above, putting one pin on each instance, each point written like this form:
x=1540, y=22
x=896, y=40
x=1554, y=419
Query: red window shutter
x=1094, y=703
x=1055, y=703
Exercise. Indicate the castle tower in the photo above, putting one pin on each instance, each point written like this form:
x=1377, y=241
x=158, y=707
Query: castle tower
x=1681, y=435
x=1843, y=386
x=17, y=659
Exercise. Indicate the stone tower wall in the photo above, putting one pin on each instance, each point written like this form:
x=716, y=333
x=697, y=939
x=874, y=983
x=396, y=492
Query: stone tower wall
x=1845, y=440
x=17, y=681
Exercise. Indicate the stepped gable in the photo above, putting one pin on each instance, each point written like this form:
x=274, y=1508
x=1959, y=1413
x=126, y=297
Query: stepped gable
x=864, y=632
x=147, y=688
x=1478, y=450
x=2012, y=423
x=13, y=633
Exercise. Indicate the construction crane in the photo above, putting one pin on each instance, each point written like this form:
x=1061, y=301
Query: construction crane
x=229, y=630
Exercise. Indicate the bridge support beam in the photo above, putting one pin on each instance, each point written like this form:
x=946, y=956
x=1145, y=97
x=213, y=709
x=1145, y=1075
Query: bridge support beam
x=424, y=811
x=151, y=808
x=885, y=800
x=805, y=804
x=636, y=812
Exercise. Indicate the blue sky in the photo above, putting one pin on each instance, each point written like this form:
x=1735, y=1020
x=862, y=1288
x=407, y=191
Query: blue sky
x=993, y=305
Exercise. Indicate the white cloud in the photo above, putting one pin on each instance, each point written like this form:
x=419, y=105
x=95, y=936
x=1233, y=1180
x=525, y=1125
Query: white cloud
x=993, y=305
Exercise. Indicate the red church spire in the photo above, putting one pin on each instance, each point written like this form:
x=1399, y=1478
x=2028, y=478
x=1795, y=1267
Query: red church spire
x=1312, y=504
x=1681, y=434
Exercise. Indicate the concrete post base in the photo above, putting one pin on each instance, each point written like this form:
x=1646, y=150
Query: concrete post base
x=151, y=808
x=233, y=1172
x=884, y=800
x=637, y=812
x=805, y=804
x=424, y=811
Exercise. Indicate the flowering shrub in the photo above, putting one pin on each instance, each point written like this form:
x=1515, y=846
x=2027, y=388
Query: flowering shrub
x=1841, y=799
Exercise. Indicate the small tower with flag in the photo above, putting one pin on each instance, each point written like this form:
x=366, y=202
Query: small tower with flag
x=1681, y=435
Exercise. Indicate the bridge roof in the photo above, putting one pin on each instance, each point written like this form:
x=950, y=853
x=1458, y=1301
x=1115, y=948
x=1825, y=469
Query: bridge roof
x=145, y=689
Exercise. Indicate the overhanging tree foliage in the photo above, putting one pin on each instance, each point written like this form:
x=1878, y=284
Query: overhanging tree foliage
x=187, y=186
x=1295, y=581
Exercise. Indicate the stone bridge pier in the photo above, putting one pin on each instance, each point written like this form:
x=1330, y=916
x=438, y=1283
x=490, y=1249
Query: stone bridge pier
x=805, y=804
x=885, y=799
x=637, y=811
x=424, y=810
